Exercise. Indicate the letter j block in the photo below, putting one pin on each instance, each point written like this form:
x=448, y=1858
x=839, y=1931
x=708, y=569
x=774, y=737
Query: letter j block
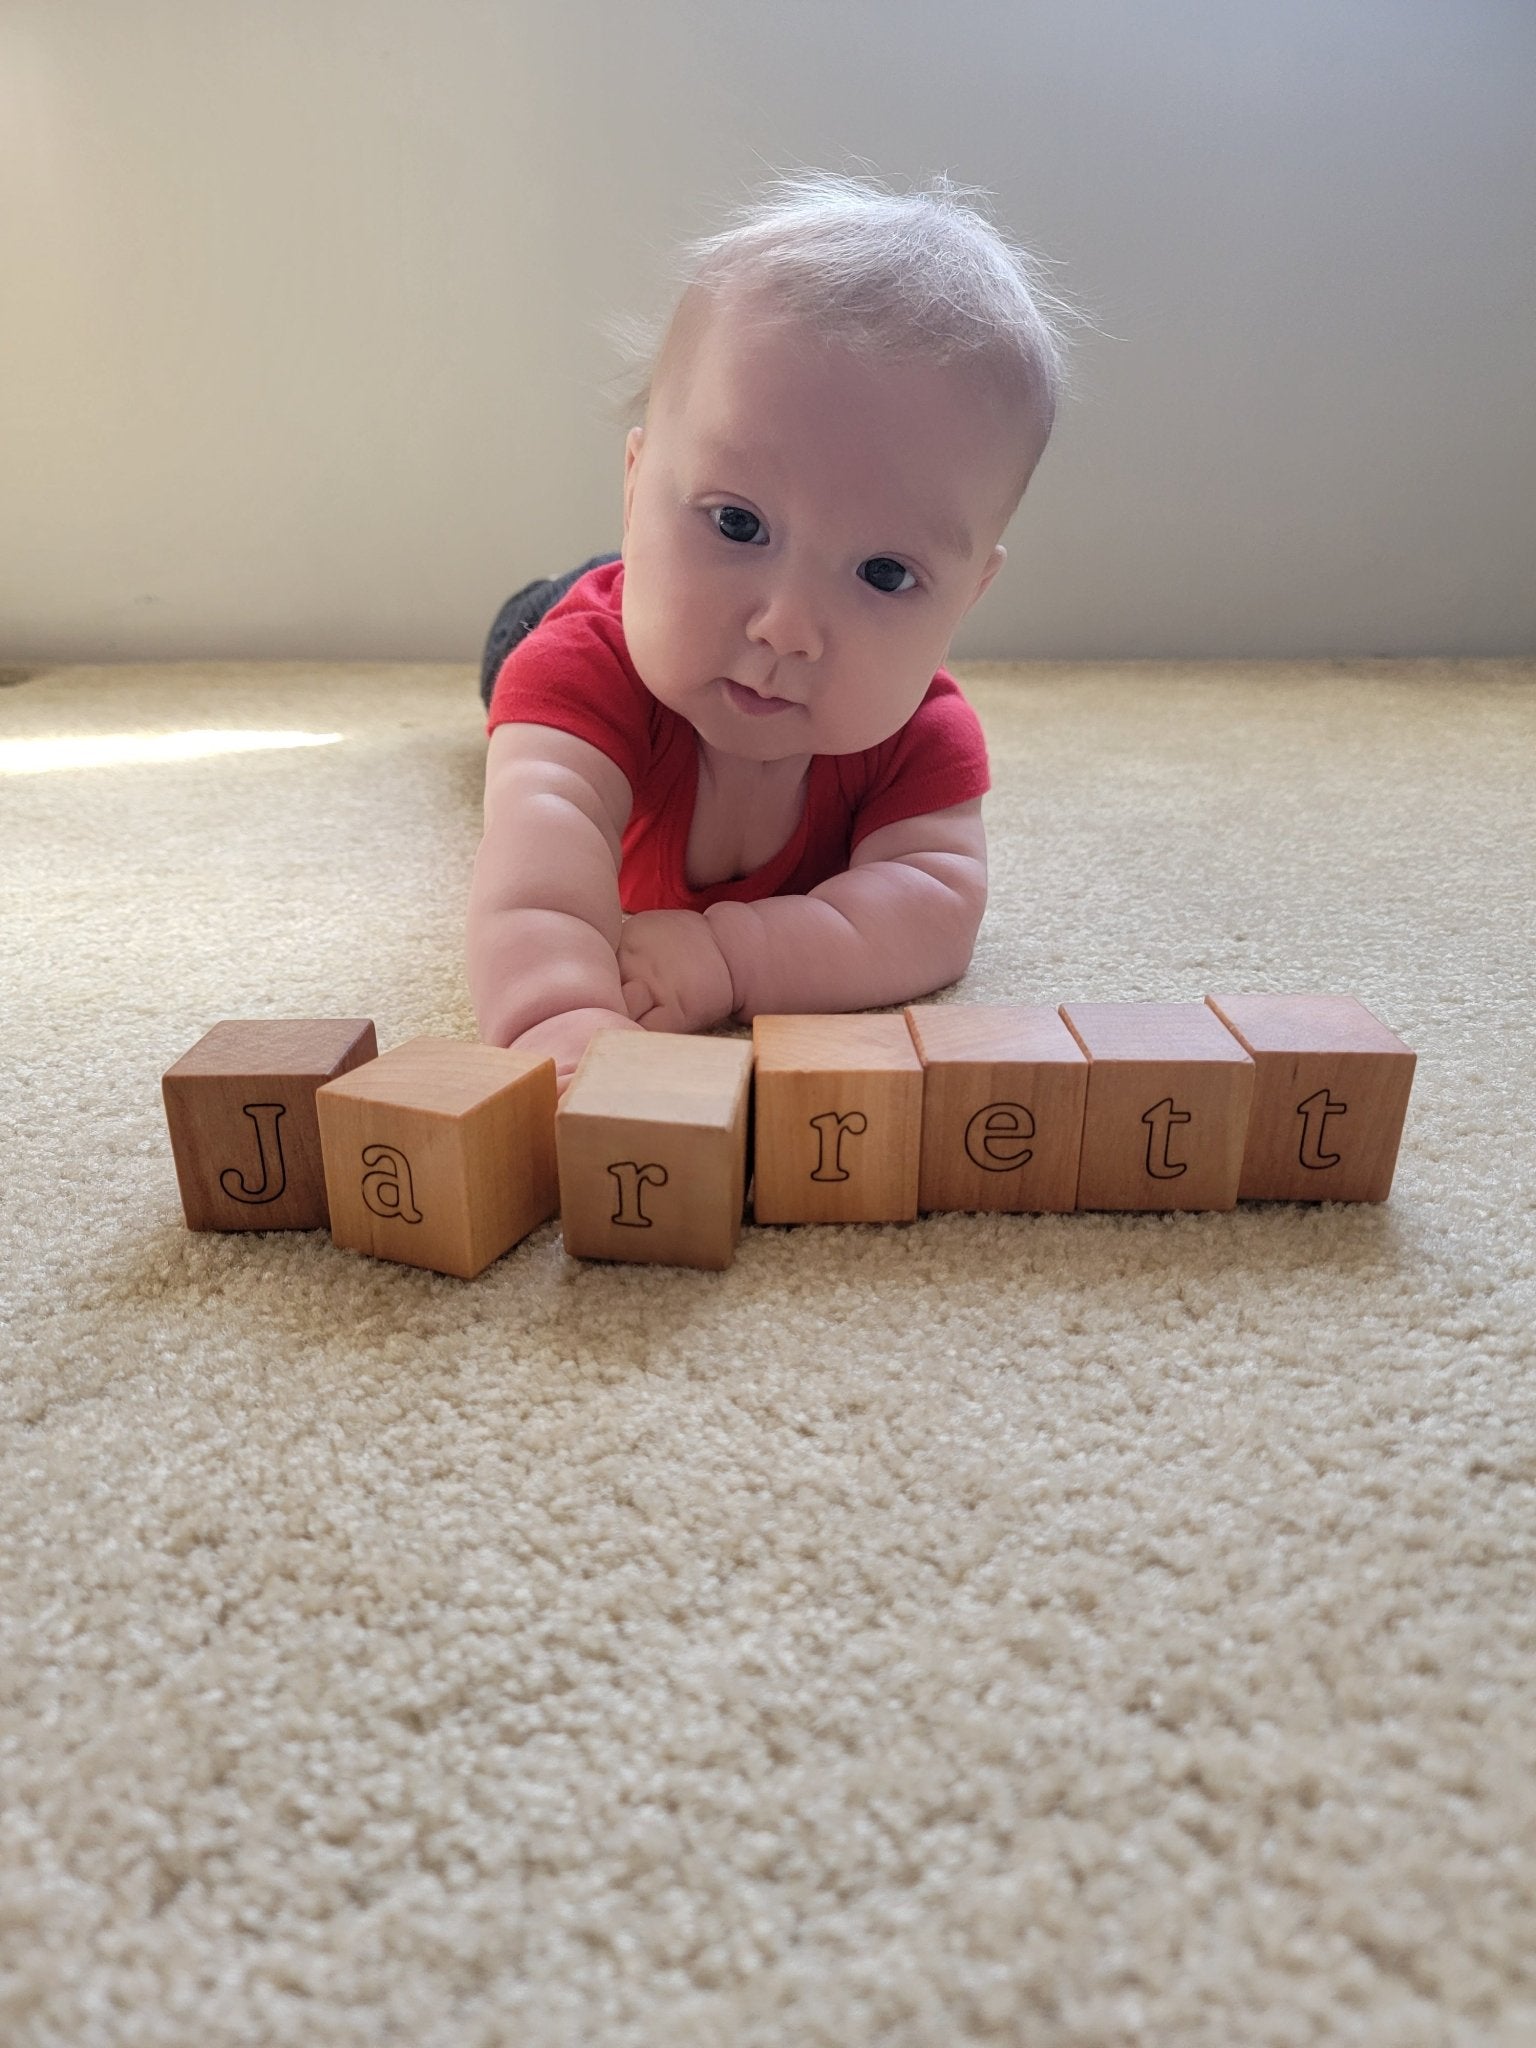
x=440, y=1153
x=240, y=1108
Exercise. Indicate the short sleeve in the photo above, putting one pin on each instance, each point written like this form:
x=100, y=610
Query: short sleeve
x=574, y=673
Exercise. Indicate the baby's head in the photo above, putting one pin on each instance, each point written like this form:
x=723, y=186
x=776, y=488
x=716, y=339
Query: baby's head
x=845, y=409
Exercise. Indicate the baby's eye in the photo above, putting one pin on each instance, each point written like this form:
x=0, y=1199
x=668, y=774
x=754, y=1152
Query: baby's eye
x=733, y=513
x=885, y=566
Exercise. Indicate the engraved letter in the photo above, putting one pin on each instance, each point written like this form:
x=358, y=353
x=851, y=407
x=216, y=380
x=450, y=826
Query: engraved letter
x=1158, y=1119
x=387, y=1190
x=824, y=1126
x=1314, y=1114
x=632, y=1177
x=991, y=1137
x=266, y=1116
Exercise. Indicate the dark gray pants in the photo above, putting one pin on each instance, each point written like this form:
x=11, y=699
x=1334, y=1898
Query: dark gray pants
x=520, y=614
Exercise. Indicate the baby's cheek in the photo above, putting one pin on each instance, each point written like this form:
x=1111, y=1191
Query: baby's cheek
x=657, y=649
x=873, y=709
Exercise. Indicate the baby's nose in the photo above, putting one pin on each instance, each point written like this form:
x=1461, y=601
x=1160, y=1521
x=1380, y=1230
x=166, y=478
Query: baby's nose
x=786, y=620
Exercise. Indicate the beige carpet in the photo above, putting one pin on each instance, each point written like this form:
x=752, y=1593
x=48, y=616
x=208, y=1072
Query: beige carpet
x=1084, y=1630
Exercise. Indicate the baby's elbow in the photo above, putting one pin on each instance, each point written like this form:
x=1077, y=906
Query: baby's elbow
x=972, y=890
x=954, y=918
x=942, y=919
x=968, y=907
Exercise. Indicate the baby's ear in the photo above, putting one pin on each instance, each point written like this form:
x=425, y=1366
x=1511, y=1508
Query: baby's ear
x=999, y=556
x=634, y=441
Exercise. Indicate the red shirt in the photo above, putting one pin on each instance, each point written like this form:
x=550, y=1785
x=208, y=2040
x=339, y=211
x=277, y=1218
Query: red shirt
x=574, y=672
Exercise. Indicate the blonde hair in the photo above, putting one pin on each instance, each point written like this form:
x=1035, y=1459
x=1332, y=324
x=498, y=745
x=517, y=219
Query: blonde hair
x=917, y=276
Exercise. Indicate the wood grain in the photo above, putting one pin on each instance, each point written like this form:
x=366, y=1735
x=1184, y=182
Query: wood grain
x=839, y=1116
x=1004, y=1092
x=440, y=1153
x=240, y=1107
x=652, y=1141
x=1330, y=1097
x=1169, y=1091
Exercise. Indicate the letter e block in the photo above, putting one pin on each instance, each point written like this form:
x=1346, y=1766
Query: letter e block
x=839, y=1120
x=1329, y=1100
x=652, y=1138
x=1004, y=1090
x=440, y=1153
x=240, y=1107
x=1169, y=1091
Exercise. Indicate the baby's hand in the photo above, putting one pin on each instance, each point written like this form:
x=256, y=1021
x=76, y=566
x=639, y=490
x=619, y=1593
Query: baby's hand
x=674, y=975
x=567, y=1037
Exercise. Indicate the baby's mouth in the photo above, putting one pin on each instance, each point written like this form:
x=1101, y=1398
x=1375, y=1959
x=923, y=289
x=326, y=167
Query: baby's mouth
x=754, y=705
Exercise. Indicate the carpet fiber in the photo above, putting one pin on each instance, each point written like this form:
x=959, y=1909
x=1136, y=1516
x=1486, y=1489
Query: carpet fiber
x=1087, y=1629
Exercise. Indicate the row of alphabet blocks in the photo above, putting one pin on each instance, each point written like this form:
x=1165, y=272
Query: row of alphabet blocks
x=444, y=1154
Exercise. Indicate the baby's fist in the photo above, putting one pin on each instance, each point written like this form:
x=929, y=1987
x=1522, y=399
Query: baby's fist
x=673, y=973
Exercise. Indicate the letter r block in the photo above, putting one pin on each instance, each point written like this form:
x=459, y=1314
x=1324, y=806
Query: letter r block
x=1329, y=1101
x=440, y=1153
x=1169, y=1091
x=1004, y=1090
x=240, y=1108
x=652, y=1138
x=839, y=1114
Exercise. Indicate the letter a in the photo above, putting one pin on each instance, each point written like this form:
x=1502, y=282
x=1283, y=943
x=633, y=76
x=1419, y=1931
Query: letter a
x=266, y=1116
x=387, y=1190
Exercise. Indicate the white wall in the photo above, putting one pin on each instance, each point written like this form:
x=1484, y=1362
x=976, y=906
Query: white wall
x=299, y=350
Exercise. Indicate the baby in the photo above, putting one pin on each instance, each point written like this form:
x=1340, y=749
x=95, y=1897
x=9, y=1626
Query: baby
x=739, y=732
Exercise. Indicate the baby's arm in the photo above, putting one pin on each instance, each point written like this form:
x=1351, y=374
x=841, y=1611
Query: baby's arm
x=899, y=922
x=543, y=926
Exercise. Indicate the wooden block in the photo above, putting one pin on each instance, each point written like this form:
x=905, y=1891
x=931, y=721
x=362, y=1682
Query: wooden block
x=1330, y=1097
x=652, y=1139
x=1004, y=1090
x=440, y=1153
x=1169, y=1090
x=240, y=1107
x=839, y=1115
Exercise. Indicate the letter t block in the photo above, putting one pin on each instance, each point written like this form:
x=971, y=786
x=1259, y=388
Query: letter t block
x=652, y=1137
x=1329, y=1102
x=440, y=1153
x=839, y=1108
x=1169, y=1090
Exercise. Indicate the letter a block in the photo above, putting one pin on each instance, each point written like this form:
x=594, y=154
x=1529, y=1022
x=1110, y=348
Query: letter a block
x=1169, y=1090
x=1329, y=1101
x=1004, y=1088
x=652, y=1142
x=839, y=1120
x=440, y=1153
x=240, y=1107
